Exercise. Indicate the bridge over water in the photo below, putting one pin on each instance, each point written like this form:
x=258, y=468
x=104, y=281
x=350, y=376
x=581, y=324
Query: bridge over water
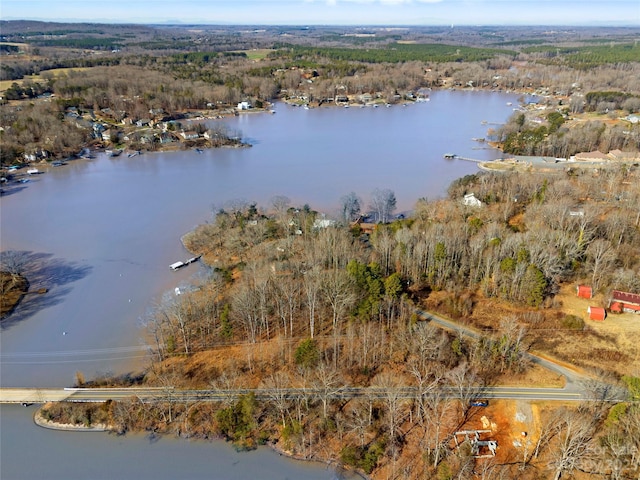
x=43, y=395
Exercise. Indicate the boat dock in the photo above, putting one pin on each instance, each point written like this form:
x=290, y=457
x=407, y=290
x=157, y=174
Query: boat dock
x=177, y=265
x=452, y=156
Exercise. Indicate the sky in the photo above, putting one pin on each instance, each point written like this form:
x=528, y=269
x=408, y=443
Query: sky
x=330, y=12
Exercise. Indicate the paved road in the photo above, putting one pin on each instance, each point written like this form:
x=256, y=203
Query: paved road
x=574, y=380
x=32, y=395
x=578, y=387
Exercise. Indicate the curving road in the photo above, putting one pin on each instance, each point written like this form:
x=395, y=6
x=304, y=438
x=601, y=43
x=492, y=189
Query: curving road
x=574, y=380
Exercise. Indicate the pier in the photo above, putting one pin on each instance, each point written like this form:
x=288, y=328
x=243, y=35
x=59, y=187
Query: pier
x=177, y=265
x=452, y=156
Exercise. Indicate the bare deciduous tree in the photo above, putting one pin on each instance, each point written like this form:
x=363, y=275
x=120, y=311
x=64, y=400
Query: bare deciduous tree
x=383, y=204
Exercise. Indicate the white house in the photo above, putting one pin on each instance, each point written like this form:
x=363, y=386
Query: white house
x=244, y=106
x=189, y=135
x=323, y=223
x=470, y=200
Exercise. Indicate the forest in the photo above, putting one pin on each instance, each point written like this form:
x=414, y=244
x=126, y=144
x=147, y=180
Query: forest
x=291, y=302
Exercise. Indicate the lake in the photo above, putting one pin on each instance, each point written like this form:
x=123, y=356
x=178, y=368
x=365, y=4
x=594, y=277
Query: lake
x=100, y=234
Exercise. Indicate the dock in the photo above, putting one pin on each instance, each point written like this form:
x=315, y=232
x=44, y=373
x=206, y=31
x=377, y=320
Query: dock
x=178, y=265
x=452, y=156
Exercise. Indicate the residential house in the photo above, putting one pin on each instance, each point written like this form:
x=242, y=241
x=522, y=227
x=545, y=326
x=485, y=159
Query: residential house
x=191, y=135
x=591, y=156
x=624, y=302
x=323, y=223
x=366, y=98
x=470, y=200
x=244, y=106
x=619, y=155
x=166, y=138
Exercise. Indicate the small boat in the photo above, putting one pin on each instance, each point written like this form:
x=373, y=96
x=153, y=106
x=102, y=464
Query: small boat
x=199, y=150
x=33, y=171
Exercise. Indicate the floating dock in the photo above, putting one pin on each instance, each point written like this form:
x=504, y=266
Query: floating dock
x=178, y=265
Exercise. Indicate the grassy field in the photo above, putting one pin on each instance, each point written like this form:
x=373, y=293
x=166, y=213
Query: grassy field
x=258, y=53
x=4, y=84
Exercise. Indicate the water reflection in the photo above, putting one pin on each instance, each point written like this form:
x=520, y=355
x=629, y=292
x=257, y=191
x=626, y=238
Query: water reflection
x=43, y=271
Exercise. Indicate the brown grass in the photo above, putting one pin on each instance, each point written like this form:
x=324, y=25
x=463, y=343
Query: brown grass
x=612, y=344
x=608, y=347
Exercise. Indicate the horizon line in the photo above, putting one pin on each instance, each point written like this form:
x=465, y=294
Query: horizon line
x=604, y=23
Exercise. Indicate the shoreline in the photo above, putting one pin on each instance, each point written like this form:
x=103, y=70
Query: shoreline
x=40, y=421
x=329, y=463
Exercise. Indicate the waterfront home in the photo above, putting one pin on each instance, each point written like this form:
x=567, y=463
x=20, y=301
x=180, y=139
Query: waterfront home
x=470, y=200
x=191, y=135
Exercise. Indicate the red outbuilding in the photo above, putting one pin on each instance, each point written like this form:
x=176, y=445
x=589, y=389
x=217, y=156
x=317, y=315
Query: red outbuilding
x=597, y=313
x=585, y=291
x=615, y=307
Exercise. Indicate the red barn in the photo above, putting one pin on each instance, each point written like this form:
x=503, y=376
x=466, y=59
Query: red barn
x=585, y=291
x=597, y=313
x=629, y=302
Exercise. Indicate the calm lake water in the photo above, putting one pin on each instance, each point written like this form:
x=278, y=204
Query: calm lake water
x=103, y=232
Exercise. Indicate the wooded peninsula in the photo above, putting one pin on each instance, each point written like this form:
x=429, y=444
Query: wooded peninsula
x=295, y=302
